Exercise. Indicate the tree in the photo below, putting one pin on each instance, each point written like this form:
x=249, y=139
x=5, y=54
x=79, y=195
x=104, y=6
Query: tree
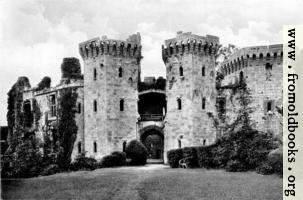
x=67, y=127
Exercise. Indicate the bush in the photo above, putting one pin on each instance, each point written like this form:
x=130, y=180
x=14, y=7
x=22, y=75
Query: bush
x=235, y=166
x=275, y=159
x=265, y=169
x=108, y=161
x=173, y=157
x=120, y=158
x=137, y=152
x=115, y=159
x=50, y=169
x=205, y=156
x=83, y=163
x=190, y=155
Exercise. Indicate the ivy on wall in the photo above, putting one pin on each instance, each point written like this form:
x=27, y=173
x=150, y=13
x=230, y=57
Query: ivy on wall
x=14, y=112
x=67, y=127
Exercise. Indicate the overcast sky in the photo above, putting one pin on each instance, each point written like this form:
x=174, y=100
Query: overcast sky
x=36, y=35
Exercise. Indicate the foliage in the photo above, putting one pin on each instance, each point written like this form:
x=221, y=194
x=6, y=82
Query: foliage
x=205, y=156
x=265, y=169
x=67, y=127
x=137, y=152
x=70, y=68
x=14, y=115
x=25, y=161
x=174, y=156
x=190, y=155
x=115, y=159
x=44, y=83
x=120, y=158
x=50, y=169
x=275, y=159
x=159, y=84
x=37, y=113
x=235, y=166
x=83, y=163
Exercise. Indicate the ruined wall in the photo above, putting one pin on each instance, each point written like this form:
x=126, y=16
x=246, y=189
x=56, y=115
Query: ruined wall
x=111, y=74
x=191, y=124
x=48, y=123
x=262, y=71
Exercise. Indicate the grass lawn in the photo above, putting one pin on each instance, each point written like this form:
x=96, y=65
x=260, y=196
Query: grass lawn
x=148, y=182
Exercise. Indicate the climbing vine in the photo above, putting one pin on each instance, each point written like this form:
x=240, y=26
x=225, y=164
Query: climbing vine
x=67, y=127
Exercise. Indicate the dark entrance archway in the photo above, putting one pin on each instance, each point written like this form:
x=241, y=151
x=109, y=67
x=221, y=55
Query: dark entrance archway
x=153, y=139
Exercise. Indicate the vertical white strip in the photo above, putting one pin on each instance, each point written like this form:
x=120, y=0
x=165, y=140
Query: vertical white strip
x=292, y=112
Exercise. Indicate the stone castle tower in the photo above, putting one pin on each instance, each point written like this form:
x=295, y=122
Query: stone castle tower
x=111, y=76
x=190, y=89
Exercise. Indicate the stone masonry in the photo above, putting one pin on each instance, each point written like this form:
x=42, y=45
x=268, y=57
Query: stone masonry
x=107, y=105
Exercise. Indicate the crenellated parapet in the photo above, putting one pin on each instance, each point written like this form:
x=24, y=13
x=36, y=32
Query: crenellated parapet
x=104, y=46
x=185, y=43
x=240, y=59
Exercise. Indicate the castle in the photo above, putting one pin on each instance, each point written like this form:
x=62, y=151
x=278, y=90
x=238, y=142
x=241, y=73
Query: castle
x=114, y=106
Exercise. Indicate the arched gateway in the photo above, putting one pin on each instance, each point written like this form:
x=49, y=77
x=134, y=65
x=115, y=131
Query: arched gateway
x=152, y=110
x=152, y=137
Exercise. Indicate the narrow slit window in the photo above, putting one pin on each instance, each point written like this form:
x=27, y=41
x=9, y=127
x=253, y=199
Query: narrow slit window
x=121, y=104
x=179, y=102
x=95, y=74
x=203, y=103
x=95, y=147
x=79, y=147
x=95, y=106
x=181, y=71
x=203, y=71
x=120, y=72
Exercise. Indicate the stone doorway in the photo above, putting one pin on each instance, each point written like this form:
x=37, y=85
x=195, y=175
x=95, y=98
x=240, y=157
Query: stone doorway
x=153, y=140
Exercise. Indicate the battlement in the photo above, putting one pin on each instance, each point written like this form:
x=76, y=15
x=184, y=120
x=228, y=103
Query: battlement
x=240, y=58
x=131, y=47
x=190, y=43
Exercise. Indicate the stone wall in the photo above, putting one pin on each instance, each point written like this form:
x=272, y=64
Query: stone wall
x=111, y=74
x=262, y=71
x=48, y=123
x=191, y=125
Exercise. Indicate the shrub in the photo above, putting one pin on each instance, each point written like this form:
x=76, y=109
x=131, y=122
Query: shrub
x=173, y=157
x=120, y=158
x=235, y=166
x=265, y=169
x=115, y=159
x=137, y=152
x=108, y=161
x=205, y=156
x=83, y=163
x=190, y=155
x=50, y=169
x=275, y=159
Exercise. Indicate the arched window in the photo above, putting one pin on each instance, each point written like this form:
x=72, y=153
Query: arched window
x=120, y=71
x=121, y=104
x=203, y=71
x=95, y=74
x=203, y=103
x=179, y=102
x=181, y=71
x=79, y=147
x=204, y=142
x=268, y=66
x=130, y=81
x=254, y=57
x=95, y=147
x=179, y=143
x=95, y=105
x=124, y=146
